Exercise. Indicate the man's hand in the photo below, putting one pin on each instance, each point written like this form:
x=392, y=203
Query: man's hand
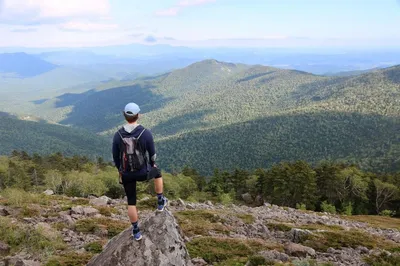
x=120, y=177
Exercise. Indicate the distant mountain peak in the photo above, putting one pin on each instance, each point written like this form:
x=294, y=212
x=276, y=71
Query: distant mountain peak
x=24, y=65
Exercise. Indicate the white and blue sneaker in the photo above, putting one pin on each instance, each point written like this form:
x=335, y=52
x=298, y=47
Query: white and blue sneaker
x=137, y=236
x=161, y=207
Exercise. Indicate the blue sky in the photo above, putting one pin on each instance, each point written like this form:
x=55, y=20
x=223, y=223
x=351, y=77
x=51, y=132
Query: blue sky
x=279, y=23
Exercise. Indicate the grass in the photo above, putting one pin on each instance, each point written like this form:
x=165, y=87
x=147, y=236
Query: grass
x=35, y=241
x=200, y=222
x=29, y=211
x=105, y=210
x=70, y=259
x=94, y=247
x=225, y=251
x=94, y=226
x=337, y=239
x=279, y=227
x=321, y=227
x=20, y=198
x=246, y=218
x=382, y=222
x=383, y=259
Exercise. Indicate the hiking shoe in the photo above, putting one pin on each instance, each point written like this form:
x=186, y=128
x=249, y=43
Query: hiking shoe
x=161, y=207
x=137, y=236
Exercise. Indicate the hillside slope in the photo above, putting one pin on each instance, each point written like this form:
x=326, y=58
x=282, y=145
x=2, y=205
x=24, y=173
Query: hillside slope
x=23, y=65
x=43, y=138
x=211, y=109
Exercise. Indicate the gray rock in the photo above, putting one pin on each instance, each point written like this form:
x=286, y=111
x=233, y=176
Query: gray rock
x=199, y=262
x=259, y=201
x=102, y=201
x=3, y=211
x=90, y=211
x=297, y=235
x=180, y=202
x=4, y=249
x=27, y=263
x=248, y=198
x=298, y=250
x=48, y=192
x=209, y=203
x=162, y=244
x=274, y=255
x=190, y=206
x=362, y=250
x=77, y=210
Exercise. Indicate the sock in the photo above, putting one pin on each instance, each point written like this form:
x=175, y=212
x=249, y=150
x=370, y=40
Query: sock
x=160, y=198
x=135, y=227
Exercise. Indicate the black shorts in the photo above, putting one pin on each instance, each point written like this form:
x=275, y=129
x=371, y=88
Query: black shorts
x=129, y=182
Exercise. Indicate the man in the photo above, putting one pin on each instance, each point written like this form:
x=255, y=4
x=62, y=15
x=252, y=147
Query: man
x=131, y=145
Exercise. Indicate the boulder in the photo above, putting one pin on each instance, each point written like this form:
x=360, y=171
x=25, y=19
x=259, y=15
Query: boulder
x=298, y=250
x=77, y=210
x=3, y=211
x=90, y=211
x=298, y=235
x=48, y=192
x=248, y=198
x=199, y=262
x=274, y=255
x=102, y=201
x=162, y=244
x=4, y=249
x=27, y=263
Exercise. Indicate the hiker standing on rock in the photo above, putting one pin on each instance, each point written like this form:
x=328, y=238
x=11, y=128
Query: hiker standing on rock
x=131, y=145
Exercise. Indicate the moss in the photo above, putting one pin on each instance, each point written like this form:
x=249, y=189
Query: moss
x=59, y=226
x=222, y=251
x=200, y=222
x=246, y=218
x=383, y=259
x=106, y=211
x=29, y=211
x=80, y=201
x=321, y=227
x=93, y=225
x=376, y=221
x=70, y=259
x=94, y=247
x=279, y=227
x=337, y=239
x=19, y=236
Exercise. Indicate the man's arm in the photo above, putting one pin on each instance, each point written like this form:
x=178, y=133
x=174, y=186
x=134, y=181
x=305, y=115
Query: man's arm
x=116, y=150
x=151, y=149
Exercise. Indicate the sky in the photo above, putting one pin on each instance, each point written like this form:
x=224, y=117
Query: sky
x=208, y=23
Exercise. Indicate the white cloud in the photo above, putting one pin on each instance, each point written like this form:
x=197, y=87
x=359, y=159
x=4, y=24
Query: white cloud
x=46, y=11
x=195, y=2
x=82, y=26
x=173, y=11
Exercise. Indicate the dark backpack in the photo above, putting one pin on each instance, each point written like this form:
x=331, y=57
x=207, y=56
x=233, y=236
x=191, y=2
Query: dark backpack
x=132, y=156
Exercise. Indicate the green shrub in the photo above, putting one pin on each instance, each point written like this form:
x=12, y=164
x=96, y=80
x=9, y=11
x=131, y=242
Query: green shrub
x=94, y=247
x=70, y=259
x=19, y=198
x=326, y=207
x=225, y=198
x=383, y=259
x=301, y=206
x=19, y=237
x=348, y=209
x=388, y=213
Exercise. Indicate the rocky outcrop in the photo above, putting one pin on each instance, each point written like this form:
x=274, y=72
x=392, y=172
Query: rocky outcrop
x=162, y=244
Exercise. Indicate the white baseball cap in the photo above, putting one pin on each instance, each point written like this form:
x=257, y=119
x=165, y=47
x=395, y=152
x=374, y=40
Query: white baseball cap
x=132, y=109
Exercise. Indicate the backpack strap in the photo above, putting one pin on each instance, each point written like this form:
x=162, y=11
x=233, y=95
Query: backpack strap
x=140, y=134
x=121, y=135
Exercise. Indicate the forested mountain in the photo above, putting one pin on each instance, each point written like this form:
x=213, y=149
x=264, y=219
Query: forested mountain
x=215, y=114
x=23, y=65
x=42, y=138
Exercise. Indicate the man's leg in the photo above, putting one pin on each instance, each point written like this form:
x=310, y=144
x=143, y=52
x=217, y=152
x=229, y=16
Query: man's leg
x=130, y=190
x=159, y=188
